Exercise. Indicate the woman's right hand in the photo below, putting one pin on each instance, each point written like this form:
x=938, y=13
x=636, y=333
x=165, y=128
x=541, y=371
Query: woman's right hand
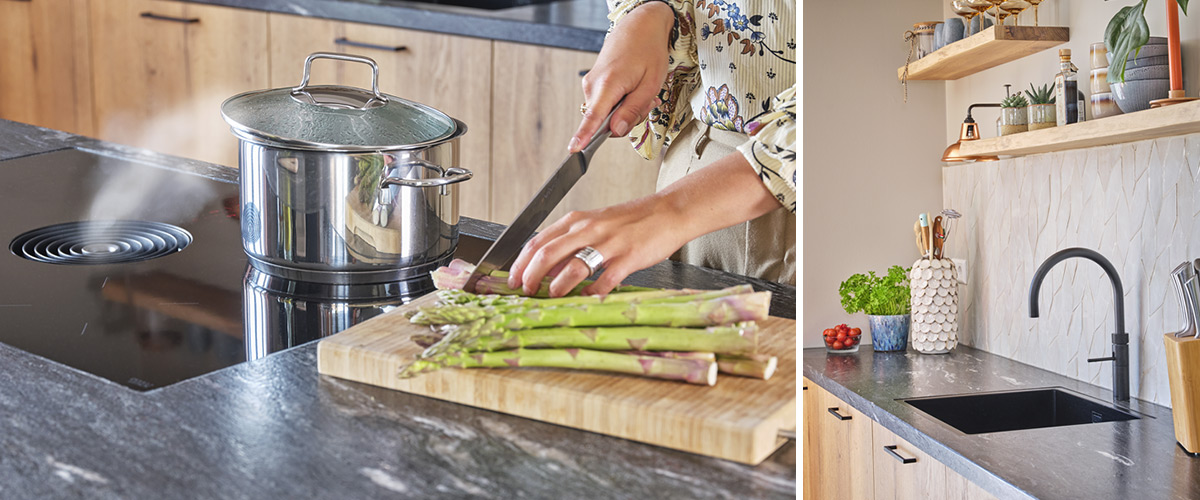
x=632, y=66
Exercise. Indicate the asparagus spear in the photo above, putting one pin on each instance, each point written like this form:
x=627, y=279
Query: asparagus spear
x=463, y=308
x=759, y=366
x=693, y=371
x=741, y=338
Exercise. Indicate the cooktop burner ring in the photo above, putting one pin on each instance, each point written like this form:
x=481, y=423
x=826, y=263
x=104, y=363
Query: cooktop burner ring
x=99, y=242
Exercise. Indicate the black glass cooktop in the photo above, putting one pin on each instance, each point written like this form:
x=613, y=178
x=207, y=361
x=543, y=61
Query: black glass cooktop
x=135, y=273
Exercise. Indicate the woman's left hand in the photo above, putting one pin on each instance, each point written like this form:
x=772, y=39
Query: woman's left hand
x=630, y=236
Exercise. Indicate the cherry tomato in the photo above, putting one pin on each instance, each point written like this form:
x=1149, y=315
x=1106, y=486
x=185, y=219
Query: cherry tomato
x=829, y=332
x=838, y=345
x=842, y=337
x=854, y=332
x=850, y=342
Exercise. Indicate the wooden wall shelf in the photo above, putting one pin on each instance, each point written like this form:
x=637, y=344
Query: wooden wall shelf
x=1149, y=124
x=987, y=49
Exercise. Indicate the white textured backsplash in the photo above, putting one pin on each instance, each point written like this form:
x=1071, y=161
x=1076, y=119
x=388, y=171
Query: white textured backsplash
x=1134, y=203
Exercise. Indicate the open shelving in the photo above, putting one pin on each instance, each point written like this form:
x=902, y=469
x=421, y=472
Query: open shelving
x=987, y=49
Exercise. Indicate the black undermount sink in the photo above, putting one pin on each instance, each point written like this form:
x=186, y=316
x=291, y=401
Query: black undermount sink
x=1017, y=410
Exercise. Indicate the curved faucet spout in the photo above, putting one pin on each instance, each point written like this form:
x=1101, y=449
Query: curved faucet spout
x=1120, y=338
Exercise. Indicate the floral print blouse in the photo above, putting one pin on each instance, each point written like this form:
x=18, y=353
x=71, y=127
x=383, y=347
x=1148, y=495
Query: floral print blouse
x=733, y=67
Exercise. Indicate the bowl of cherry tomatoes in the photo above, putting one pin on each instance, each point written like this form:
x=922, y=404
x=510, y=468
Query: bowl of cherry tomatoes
x=842, y=339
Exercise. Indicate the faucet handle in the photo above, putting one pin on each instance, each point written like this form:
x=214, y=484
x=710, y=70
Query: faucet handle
x=1109, y=358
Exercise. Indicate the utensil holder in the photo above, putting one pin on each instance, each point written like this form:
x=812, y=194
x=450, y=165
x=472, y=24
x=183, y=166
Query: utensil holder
x=1183, y=370
x=933, y=289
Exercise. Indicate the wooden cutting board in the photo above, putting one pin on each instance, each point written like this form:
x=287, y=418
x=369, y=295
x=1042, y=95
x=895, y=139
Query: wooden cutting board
x=737, y=419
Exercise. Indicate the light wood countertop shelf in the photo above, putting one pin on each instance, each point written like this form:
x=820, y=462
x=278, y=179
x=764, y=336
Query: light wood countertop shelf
x=987, y=49
x=1149, y=124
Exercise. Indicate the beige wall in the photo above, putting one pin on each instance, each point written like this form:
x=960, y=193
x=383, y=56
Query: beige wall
x=1087, y=20
x=870, y=160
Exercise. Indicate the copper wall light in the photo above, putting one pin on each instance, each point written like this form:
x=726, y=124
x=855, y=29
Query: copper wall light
x=970, y=132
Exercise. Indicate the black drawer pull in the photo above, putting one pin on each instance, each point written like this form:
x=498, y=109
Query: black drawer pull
x=184, y=20
x=891, y=449
x=352, y=43
x=839, y=416
x=583, y=72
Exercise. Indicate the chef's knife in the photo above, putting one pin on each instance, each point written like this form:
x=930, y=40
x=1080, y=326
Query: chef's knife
x=508, y=245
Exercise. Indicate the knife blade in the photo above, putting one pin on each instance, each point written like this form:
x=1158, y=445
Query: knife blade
x=505, y=249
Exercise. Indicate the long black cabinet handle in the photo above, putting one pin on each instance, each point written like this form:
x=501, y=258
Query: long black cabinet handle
x=184, y=20
x=352, y=43
x=839, y=416
x=891, y=449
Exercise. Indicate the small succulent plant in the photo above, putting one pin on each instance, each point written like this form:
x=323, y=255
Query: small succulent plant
x=1014, y=101
x=1042, y=95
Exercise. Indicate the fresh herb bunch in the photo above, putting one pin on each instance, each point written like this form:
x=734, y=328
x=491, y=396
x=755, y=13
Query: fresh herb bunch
x=877, y=295
x=1040, y=95
x=1014, y=101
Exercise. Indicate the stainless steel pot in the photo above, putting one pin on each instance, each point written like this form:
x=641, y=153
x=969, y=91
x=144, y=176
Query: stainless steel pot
x=342, y=185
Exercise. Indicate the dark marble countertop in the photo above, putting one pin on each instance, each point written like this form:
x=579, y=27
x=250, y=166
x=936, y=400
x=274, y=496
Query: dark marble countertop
x=569, y=24
x=274, y=428
x=1136, y=459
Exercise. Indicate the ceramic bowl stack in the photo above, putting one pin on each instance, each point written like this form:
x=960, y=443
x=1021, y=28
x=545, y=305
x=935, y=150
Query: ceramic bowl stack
x=1103, y=103
x=933, y=285
x=1147, y=77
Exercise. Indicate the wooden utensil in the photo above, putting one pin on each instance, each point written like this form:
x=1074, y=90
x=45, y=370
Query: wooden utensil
x=920, y=239
x=1183, y=373
x=939, y=237
x=738, y=419
x=926, y=235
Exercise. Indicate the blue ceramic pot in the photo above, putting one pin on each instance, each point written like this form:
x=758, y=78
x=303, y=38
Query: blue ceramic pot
x=889, y=333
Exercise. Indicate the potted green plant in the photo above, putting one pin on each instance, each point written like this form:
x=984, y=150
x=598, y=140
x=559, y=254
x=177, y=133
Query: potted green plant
x=1013, y=116
x=1125, y=34
x=885, y=301
x=1041, y=107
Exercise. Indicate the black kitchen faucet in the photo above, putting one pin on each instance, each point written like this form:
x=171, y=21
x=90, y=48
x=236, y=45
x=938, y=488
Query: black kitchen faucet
x=1120, y=339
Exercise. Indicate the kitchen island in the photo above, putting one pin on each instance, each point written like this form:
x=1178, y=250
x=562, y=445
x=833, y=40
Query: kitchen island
x=1135, y=459
x=274, y=428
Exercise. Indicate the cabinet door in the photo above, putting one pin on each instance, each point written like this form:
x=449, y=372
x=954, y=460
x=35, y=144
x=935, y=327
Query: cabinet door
x=450, y=73
x=162, y=70
x=810, y=434
x=842, y=447
x=902, y=472
x=45, y=71
x=537, y=92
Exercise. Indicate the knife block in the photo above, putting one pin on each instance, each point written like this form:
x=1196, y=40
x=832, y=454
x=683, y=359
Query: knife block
x=1183, y=369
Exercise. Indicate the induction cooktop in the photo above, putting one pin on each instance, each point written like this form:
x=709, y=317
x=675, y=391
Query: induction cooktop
x=135, y=273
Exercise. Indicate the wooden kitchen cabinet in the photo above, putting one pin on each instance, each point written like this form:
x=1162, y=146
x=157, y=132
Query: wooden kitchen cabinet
x=45, y=64
x=162, y=69
x=535, y=111
x=840, y=442
x=846, y=458
x=450, y=73
x=906, y=473
x=808, y=432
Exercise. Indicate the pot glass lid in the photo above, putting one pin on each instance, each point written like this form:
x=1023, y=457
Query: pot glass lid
x=335, y=117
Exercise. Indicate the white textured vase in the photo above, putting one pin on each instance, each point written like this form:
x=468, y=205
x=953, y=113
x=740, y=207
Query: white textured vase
x=933, y=285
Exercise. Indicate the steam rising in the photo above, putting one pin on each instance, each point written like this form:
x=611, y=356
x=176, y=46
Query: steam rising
x=157, y=193
x=151, y=194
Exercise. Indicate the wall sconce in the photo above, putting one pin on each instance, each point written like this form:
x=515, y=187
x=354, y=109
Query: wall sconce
x=969, y=132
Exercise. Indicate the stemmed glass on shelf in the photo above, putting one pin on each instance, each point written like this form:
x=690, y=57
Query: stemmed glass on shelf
x=1035, y=4
x=1014, y=9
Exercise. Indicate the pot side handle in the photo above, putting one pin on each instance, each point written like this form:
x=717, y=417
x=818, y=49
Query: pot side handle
x=452, y=175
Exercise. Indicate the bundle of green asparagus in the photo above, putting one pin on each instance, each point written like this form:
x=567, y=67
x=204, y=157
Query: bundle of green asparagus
x=686, y=335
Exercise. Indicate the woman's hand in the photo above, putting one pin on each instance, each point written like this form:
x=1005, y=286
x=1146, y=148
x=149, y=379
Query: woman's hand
x=631, y=66
x=631, y=236
x=640, y=233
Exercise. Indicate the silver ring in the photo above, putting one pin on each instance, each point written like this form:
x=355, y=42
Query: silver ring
x=591, y=258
